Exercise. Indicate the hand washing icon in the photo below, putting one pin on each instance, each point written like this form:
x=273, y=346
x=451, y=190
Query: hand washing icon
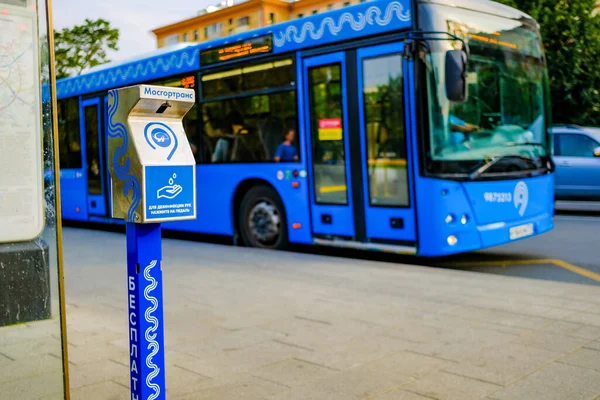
x=170, y=191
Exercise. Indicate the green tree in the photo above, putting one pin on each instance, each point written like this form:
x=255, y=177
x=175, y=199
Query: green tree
x=571, y=34
x=84, y=46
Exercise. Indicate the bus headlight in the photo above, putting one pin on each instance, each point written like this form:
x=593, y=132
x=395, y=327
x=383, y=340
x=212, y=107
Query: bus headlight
x=450, y=219
x=464, y=219
x=452, y=240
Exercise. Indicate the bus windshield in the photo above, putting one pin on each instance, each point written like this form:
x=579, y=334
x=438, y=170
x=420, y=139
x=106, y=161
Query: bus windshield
x=504, y=116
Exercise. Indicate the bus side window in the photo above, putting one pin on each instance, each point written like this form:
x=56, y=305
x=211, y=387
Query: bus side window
x=190, y=125
x=244, y=124
x=68, y=134
x=190, y=121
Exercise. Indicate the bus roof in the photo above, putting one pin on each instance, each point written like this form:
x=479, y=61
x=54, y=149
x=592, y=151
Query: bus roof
x=353, y=22
x=360, y=20
x=486, y=6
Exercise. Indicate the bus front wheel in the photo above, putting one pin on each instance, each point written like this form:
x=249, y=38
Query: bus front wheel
x=262, y=219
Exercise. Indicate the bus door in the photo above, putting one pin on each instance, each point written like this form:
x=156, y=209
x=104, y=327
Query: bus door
x=385, y=125
x=359, y=162
x=106, y=174
x=331, y=188
x=91, y=125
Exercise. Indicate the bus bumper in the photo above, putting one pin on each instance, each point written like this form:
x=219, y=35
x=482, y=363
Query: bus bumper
x=503, y=233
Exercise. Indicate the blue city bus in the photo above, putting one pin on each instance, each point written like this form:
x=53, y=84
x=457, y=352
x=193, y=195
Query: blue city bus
x=416, y=127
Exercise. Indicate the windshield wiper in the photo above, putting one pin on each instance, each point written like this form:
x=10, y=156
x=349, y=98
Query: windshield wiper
x=535, y=144
x=481, y=170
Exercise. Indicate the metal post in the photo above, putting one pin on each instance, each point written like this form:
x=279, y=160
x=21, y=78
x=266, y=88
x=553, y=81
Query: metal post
x=145, y=301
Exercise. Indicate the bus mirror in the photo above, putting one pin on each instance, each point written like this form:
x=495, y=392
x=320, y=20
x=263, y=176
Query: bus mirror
x=456, y=75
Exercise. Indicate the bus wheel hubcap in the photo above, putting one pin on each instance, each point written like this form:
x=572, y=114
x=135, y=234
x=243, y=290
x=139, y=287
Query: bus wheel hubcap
x=264, y=222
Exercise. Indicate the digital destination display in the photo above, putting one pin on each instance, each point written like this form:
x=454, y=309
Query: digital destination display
x=239, y=50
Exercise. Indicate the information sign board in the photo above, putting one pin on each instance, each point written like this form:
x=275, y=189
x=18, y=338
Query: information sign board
x=21, y=171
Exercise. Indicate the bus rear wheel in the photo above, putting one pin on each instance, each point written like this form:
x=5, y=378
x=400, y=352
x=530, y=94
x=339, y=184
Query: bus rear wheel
x=262, y=219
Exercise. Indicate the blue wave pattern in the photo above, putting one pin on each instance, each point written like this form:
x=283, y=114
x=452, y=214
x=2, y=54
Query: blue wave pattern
x=373, y=16
x=117, y=130
x=150, y=333
x=127, y=74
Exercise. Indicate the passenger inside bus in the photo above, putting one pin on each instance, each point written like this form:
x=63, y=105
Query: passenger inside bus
x=286, y=151
x=230, y=144
x=247, y=129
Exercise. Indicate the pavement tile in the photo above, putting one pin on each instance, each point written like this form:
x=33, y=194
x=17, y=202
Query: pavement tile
x=107, y=390
x=584, y=318
x=23, y=333
x=26, y=368
x=554, y=382
x=249, y=388
x=572, y=329
x=77, y=338
x=413, y=330
x=52, y=396
x=551, y=302
x=215, y=363
x=550, y=341
x=593, y=345
x=408, y=364
x=314, y=333
x=445, y=386
x=241, y=322
x=244, y=320
x=49, y=385
x=512, y=319
x=524, y=305
x=121, y=343
x=193, y=332
x=180, y=381
x=39, y=346
x=96, y=351
x=443, y=321
x=400, y=395
x=585, y=358
x=357, y=383
x=292, y=372
x=504, y=364
x=230, y=341
x=185, y=361
x=358, y=351
x=96, y=372
x=94, y=318
x=458, y=343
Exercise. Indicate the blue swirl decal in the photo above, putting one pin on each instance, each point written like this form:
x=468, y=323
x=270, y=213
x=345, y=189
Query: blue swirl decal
x=130, y=182
x=150, y=333
x=182, y=61
x=372, y=16
x=160, y=136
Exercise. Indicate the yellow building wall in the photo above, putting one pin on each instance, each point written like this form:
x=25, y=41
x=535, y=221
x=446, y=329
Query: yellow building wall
x=229, y=17
x=281, y=14
x=308, y=7
x=226, y=28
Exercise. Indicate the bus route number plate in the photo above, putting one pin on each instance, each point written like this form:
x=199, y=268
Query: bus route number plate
x=521, y=231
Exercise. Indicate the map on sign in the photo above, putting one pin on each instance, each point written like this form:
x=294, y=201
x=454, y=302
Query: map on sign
x=21, y=175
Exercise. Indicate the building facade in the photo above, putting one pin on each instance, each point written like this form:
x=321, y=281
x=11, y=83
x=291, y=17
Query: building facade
x=229, y=18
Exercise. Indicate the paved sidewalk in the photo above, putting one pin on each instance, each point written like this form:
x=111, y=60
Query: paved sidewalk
x=249, y=324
